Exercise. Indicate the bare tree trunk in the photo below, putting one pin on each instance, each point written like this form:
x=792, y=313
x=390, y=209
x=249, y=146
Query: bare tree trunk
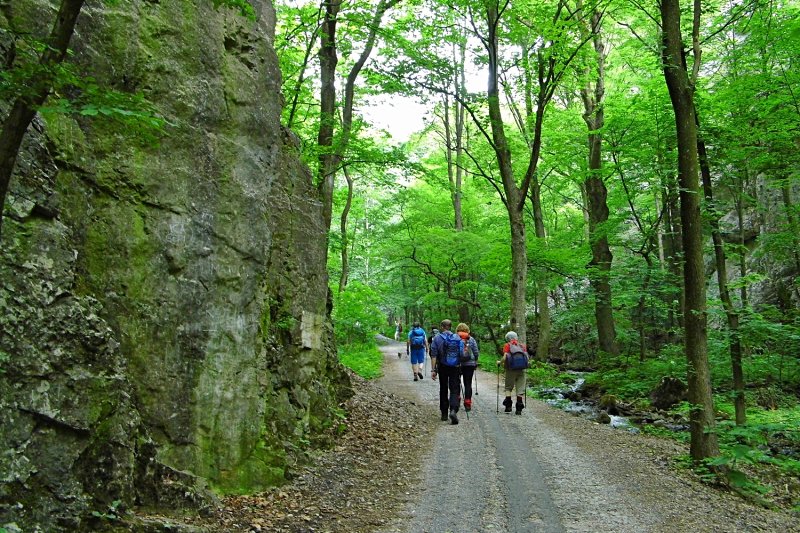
x=328, y=60
x=519, y=251
x=735, y=341
x=331, y=154
x=703, y=438
x=545, y=328
x=642, y=307
x=300, y=78
x=593, y=94
x=343, y=278
x=674, y=249
x=742, y=245
x=24, y=108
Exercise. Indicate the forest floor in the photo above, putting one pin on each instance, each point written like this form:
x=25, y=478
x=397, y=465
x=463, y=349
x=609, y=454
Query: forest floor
x=398, y=468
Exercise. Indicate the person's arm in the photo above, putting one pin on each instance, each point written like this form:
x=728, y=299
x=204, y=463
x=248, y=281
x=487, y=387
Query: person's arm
x=475, y=350
x=505, y=354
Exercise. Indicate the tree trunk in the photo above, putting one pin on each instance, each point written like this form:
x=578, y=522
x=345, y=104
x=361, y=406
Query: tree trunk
x=327, y=60
x=742, y=245
x=343, y=278
x=519, y=250
x=24, y=108
x=674, y=249
x=735, y=341
x=331, y=154
x=592, y=94
x=543, y=342
x=642, y=309
x=703, y=438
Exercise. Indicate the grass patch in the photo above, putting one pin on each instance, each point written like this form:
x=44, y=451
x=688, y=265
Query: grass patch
x=365, y=359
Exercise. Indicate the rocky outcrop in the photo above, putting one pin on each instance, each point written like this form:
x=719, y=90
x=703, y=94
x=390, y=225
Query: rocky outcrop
x=163, y=307
x=669, y=392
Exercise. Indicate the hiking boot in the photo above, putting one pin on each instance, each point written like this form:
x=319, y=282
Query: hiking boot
x=415, y=377
x=420, y=376
x=520, y=406
x=507, y=403
x=444, y=416
x=453, y=418
x=468, y=404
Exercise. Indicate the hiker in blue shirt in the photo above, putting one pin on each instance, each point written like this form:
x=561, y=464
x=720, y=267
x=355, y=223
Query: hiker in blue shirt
x=416, y=347
x=445, y=351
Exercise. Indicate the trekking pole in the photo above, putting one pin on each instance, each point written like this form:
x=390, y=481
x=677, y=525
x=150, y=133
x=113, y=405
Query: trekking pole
x=498, y=391
x=475, y=376
x=525, y=395
x=460, y=381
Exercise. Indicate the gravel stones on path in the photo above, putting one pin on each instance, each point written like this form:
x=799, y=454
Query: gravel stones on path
x=387, y=474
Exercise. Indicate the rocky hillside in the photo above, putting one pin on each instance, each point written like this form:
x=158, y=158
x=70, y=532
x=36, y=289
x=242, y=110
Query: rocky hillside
x=163, y=307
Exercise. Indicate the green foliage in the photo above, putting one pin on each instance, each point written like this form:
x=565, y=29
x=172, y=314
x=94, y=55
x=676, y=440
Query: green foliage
x=112, y=514
x=635, y=379
x=76, y=94
x=543, y=375
x=356, y=314
x=243, y=6
x=365, y=359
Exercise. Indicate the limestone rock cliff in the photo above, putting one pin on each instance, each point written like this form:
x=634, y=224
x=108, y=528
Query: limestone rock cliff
x=163, y=308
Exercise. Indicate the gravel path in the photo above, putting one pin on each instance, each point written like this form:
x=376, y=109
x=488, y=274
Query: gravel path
x=548, y=471
x=545, y=471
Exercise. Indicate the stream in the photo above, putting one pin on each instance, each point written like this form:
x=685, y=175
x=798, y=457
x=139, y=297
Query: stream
x=563, y=398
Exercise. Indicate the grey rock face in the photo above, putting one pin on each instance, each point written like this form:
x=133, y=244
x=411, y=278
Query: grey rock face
x=163, y=309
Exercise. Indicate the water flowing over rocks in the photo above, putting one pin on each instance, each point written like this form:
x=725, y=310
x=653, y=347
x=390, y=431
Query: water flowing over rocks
x=163, y=307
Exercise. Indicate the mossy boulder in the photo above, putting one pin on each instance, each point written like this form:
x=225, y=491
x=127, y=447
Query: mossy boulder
x=163, y=307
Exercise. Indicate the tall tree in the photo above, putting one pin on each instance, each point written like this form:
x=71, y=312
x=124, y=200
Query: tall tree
x=332, y=151
x=550, y=68
x=592, y=94
x=703, y=438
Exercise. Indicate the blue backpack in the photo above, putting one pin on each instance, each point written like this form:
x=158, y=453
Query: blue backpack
x=453, y=348
x=517, y=357
x=417, y=338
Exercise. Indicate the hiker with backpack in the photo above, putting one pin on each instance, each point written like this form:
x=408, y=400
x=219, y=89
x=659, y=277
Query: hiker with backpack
x=416, y=347
x=469, y=361
x=434, y=332
x=515, y=360
x=446, y=351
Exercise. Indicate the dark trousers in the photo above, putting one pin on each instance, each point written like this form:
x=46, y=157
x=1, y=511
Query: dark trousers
x=449, y=378
x=466, y=375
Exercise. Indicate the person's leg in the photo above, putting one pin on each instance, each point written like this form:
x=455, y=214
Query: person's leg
x=452, y=378
x=511, y=376
x=520, y=387
x=415, y=360
x=444, y=402
x=466, y=377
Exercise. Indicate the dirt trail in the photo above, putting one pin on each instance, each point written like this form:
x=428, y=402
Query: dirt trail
x=548, y=471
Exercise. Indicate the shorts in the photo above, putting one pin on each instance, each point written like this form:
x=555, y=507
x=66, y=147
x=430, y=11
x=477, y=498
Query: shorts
x=417, y=356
